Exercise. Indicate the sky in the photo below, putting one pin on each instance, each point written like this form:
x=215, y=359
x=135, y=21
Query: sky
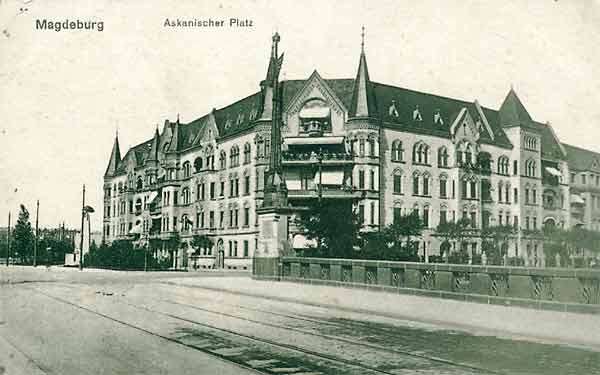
x=63, y=95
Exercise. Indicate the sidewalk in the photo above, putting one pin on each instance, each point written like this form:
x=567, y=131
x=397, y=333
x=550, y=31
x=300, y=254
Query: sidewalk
x=513, y=322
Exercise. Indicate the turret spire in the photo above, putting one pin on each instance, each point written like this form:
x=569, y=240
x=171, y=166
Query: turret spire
x=363, y=96
x=115, y=157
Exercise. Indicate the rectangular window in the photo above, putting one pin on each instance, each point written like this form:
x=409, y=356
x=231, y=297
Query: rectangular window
x=230, y=248
x=247, y=185
x=516, y=221
x=464, y=186
x=361, y=179
x=443, y=216
x=516, y=195
x=527, y=222
x=221, y=219
x=526, y=196
x=222, y=188
x=246, y=248
x=500, y=219
x=425, y=186
x=415, y=185
x=174, y=222
x=230, y=218
x=572, y=178
x=534, y=223
x=534, y=196
x=175, y=196
x=473, y=189
x=499, y=194
x=237, y=187
x=443, y=192
x=507, y=195
x=515, y=168
x=211, y=219
x=426, y=217
x=235, y=248
x=372, y=213
x=212, y=190
x=247, y=216
x=473, y=220
x=236, y=215
x=397, y=214
x=372, y=180
x=231, y=188
x=361, y=213
x=583, y=179
x=398, y=184
x=453, y=190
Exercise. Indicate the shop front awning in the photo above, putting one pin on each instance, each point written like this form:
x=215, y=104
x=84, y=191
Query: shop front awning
x=152, y=197
x=313, y=141
x=315, y=112
x=137, y=229
x=576, y=198
x=292, y=184
x=330, y=177
x=553, y=171
x=301, y=242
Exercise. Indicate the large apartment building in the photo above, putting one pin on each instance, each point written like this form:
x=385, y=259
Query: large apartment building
x=388, y=149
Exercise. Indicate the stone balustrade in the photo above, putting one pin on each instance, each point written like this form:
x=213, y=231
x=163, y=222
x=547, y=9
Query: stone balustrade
x=561, y=289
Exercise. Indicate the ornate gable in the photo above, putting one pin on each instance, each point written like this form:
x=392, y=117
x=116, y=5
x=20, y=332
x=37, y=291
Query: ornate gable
x=465, y=127
x=314, y=99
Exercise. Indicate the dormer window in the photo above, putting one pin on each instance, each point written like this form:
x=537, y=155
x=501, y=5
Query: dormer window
x=417, y=114
x=253, y=113
x=228, y=123
x=437, y=118
x=315, y=117
x=393, y=111
x=240, y=119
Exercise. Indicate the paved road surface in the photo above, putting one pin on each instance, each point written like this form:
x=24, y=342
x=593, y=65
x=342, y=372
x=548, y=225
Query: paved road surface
x=135, y=323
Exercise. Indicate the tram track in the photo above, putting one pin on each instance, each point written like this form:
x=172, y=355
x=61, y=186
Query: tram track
x=320, y=357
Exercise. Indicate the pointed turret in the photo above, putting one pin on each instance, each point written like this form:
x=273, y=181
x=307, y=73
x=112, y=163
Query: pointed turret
x=513, y=112
x=115, y=158
x=153, y=155
x=363, y=96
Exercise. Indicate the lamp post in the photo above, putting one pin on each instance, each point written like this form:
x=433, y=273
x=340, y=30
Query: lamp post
x=82, y=229
x=8, y=240
x=37, y=214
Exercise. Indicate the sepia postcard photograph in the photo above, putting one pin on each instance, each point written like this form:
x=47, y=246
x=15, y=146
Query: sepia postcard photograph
x=313, y=187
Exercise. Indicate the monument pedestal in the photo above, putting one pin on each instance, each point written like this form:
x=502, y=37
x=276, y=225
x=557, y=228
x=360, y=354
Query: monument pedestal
x=273, y=242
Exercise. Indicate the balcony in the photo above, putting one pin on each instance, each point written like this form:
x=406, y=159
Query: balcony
x=289, y=158
x=326, y=193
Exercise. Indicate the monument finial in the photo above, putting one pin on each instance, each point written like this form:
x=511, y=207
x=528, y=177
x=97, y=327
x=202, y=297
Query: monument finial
x=362, y=40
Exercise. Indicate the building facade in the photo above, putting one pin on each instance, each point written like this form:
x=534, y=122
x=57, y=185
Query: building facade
x=387, y=149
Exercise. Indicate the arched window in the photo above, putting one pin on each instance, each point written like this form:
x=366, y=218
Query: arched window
x=222, y=160
x=530, y=168
x=443, y=157
x=426, y=180
x=234, y=156
x=187, y=169
x=267, y=148
x=397, y=151
x=198, y=164
x=420, y=153
x=415, y=184
x=247, y=149
x=210, y=157
x=371, y=147
x=503, y=165
x=140, y=183
x=443, y=185
x=469, y=154
x=185, y=196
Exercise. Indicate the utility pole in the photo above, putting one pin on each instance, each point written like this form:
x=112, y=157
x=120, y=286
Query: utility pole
x=37, y=214
x=8, y=240
x=82, y=229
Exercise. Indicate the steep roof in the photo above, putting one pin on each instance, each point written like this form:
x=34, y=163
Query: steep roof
x=407, y=101
x=363, y=96
x=512, y=112
x=115, y=158
x=580, y=159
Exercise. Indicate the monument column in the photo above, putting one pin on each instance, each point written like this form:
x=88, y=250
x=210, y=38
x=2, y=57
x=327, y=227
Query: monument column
x=274, y=213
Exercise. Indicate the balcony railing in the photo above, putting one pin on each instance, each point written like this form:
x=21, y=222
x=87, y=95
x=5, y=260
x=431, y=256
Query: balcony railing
x=313, y=157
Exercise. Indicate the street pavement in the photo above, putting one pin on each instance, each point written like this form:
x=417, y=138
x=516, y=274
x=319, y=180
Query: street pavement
x=65, y=321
